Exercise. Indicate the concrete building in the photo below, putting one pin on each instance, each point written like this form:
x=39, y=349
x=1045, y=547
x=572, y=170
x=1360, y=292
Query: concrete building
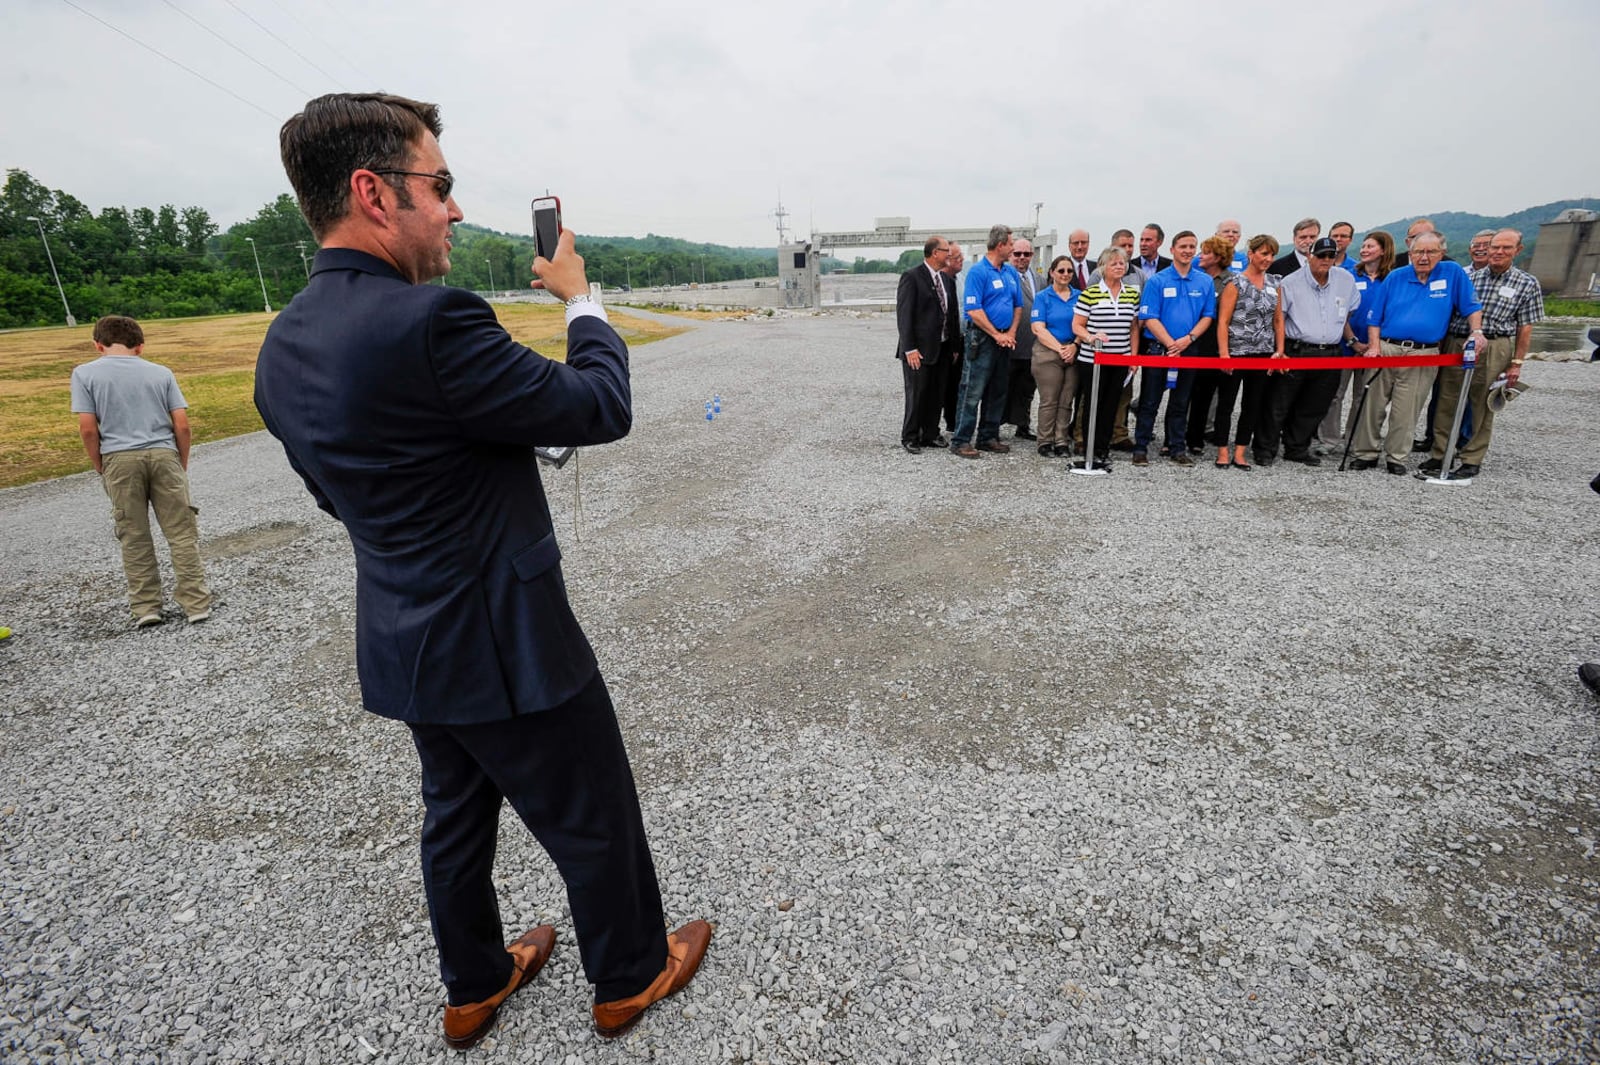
x=1566, y=260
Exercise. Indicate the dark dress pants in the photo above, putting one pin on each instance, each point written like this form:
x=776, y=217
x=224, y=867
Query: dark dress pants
x=950, y=383
x=1209, y=385
x=1020, y=386
x=1152, y=386
x=1300, y=398
x=565, y=772
x=924, y=396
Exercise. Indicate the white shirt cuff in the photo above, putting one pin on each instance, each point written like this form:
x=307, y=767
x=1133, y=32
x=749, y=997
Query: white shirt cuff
x=589, y=310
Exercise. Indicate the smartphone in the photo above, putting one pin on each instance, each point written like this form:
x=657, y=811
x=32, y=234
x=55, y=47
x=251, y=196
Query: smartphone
x=546, y=225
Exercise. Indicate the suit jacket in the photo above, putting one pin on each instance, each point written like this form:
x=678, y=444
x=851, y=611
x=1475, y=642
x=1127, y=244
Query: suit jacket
x=1285, y=265
x=919, y=317
x=412, y=415
x=1162, y=262
x=1024, y=348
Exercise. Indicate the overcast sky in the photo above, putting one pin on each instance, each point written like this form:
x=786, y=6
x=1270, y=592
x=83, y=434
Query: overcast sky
x=685, y=119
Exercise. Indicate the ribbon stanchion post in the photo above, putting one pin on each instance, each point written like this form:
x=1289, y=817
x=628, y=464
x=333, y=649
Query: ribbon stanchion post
x=1087, y=466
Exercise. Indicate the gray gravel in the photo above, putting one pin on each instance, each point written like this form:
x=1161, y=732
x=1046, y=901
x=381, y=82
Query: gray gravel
x=968, y=761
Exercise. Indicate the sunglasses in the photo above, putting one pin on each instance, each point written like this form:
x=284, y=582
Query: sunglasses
x=1326, y=255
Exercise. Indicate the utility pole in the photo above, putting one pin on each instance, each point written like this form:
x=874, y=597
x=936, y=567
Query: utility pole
x=303, y=261
x=781, y=214
x=1036, y=209
x=627, y=266
x=491, y=274
x=71, y=321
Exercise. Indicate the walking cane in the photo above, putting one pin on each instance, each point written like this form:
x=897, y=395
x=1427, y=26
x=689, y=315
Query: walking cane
x=1087, y=467
x=1355, y=419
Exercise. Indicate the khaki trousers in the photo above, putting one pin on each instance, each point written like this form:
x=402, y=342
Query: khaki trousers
x=1058, y=383
x=1493, y=360
x=1403, y=392
x=137, y=482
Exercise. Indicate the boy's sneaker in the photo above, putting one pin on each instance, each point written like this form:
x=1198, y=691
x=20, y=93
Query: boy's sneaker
x=147, y=621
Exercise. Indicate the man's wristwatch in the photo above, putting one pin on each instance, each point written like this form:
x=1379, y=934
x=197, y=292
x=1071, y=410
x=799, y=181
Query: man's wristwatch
x=582, y=297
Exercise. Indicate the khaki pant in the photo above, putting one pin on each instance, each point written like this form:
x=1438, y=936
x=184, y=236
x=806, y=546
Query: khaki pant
x=1058, y=383
x=1493, y=360
x=1403, y=392
x=137, y=482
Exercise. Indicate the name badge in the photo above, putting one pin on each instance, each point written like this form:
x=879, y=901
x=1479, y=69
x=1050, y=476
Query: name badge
x=1507, y=292
x=1362, y=285
x=1439, y=285
x=999, y=283
x=1169, y=293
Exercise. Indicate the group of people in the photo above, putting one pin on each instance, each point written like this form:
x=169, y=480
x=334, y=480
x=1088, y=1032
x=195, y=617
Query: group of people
x=1017, y=331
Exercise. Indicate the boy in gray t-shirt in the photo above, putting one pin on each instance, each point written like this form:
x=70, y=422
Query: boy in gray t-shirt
x=135, y=426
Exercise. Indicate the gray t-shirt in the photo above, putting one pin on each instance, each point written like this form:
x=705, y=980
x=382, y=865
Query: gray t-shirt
x=133, y=400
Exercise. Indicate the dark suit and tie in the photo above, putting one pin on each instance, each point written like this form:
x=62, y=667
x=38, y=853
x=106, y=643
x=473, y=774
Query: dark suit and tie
x=412, y=415
x=926, y=318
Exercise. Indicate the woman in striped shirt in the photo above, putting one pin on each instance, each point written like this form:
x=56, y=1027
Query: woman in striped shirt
x=1104, y=320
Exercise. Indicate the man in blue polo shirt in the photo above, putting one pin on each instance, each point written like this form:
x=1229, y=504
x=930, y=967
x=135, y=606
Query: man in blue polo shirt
x=1176, y=305
x=1230, y=230
x=1408, y=315
x=991, y=304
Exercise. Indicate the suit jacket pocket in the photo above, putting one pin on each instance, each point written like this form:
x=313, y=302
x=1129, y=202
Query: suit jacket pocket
x=537, y=557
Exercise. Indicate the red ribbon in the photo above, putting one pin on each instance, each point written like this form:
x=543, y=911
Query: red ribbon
x=1262, y=362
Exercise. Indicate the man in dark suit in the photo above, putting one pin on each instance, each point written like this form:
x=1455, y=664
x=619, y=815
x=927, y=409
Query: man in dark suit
x=1150, y=261
x=411, y=416
x=925, y=315
x=1306, y=232
x=955, y=346
x=1020, y=386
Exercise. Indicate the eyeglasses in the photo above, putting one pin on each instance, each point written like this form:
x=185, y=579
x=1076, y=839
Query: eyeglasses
x=446, y=180
x=1326, y=255
x=1022, y=255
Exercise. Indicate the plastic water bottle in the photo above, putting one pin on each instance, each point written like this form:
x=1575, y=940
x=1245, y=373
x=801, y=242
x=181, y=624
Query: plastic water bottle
x=1469, y=355
x=716, y=402
x=1172, y=379
x=709, y=415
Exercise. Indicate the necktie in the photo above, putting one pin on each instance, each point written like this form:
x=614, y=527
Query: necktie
x=1083, y=275
x=944, y=306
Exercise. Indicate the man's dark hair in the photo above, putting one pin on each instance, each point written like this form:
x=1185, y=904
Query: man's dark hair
x=1161, y=234
x=1180, y=234
x=1119, y=234
x=341, y=133
x=1346, y=225
x=118, y=329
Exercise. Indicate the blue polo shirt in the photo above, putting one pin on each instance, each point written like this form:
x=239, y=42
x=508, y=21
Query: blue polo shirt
x=1240, y=261
x=1179, y=302
x=1407, y=309
x=1056, y=312
x=1349, y=264
x=994, y=290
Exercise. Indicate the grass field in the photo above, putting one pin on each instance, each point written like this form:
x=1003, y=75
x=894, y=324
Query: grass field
x=1567, y=308
x=214, y=360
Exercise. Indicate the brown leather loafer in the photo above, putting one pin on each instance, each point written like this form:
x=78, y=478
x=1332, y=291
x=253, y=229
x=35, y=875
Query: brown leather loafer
x=465, y=1025
x=999, y=447
x=685, y=949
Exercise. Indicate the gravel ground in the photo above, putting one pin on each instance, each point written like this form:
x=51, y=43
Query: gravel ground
x=968, y=761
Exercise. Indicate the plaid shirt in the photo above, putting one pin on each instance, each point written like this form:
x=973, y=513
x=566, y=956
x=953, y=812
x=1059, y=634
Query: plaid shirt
x=1503, y=314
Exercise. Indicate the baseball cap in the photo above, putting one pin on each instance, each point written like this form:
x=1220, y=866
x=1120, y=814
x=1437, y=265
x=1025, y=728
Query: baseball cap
x=1324, y=246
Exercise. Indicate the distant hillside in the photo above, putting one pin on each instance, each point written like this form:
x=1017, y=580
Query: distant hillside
x=1459, y=226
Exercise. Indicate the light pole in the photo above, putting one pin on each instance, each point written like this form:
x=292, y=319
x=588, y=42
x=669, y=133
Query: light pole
x=491, y=274
x=702, y=269
x=264, y=301
x=304, y=262
x=627, y=265
x=71, y=321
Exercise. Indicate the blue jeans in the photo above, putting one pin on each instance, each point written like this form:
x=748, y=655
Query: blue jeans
x=1152, y=386
x=983, y=379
